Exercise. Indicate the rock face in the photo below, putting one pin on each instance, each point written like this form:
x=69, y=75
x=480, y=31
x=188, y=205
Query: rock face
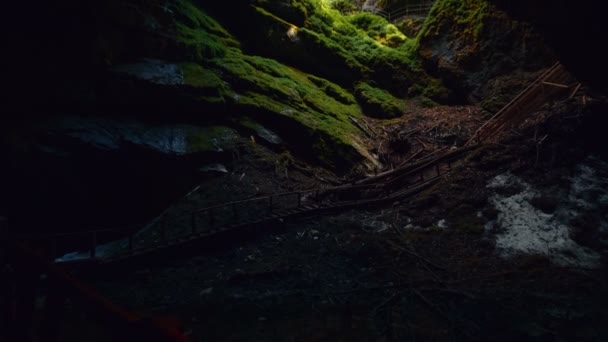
x=469, y=43
x=287, y=65
x=87, y=172
x=128, y=94
x=572, y=28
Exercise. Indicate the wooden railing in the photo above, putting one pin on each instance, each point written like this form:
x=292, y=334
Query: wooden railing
x=414, y=10
x=173, y=229
x=544, y=88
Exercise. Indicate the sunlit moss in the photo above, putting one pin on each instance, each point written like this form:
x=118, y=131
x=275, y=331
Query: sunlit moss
x=378, y=28
x=307, y=88
x=463, y=16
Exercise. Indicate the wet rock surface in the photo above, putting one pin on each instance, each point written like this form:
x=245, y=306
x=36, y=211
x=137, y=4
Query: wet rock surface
x=152, y=70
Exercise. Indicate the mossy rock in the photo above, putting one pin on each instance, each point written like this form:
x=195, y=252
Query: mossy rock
x=378, y=103
x=208, y=86
x=467, y=15
x=331, y=45
x=210, y=139
x=199, y=36
x=378, y=28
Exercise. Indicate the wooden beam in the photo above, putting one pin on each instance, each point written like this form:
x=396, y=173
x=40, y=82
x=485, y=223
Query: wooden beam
x=556, y=85
x=575, y=90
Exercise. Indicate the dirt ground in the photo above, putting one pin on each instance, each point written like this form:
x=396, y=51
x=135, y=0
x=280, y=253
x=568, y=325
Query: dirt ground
x=426, y=268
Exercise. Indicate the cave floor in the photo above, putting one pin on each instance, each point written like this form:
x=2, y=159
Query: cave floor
x=424, y=269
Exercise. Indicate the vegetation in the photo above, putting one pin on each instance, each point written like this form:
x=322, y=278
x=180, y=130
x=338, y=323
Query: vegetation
x=378, y=28
x=207, y=139
x=198, y=35
x=295, y=68
x=466, y=17
x=314, y=110
x=378, y=103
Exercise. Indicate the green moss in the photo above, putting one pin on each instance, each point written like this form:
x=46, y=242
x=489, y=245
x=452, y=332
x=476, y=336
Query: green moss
x=279, y=95
x=198, y=35
x=332, y=90
x=207, y=84
x=192, y=16
x=208, y=139
x=199, y=77
x=377, y=102
x=341, y=48
x=432, y=89
x=345, y=6
x=464, y=17
x=378, y=28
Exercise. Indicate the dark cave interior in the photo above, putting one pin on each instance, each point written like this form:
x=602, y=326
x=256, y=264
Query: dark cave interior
x=304, y=170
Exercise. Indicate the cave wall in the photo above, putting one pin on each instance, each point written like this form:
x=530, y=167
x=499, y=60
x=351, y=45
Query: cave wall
x=576, y=31
x=480, y=51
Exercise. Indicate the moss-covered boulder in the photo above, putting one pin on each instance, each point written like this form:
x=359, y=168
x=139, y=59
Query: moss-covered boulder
x=378, y=103
x=342, y=48
x=292, y=66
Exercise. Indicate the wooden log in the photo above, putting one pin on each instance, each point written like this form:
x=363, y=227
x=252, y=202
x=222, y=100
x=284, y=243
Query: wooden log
x=556, y=85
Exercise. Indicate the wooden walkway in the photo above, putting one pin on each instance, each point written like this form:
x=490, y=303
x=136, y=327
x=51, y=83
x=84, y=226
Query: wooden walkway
x=195, y=231
x=215, y=227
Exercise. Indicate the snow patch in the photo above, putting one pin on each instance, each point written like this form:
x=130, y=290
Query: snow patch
x=526, y=229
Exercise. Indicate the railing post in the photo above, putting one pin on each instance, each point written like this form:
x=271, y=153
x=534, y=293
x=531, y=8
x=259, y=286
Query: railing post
x=94, y=245
x=193, y=222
